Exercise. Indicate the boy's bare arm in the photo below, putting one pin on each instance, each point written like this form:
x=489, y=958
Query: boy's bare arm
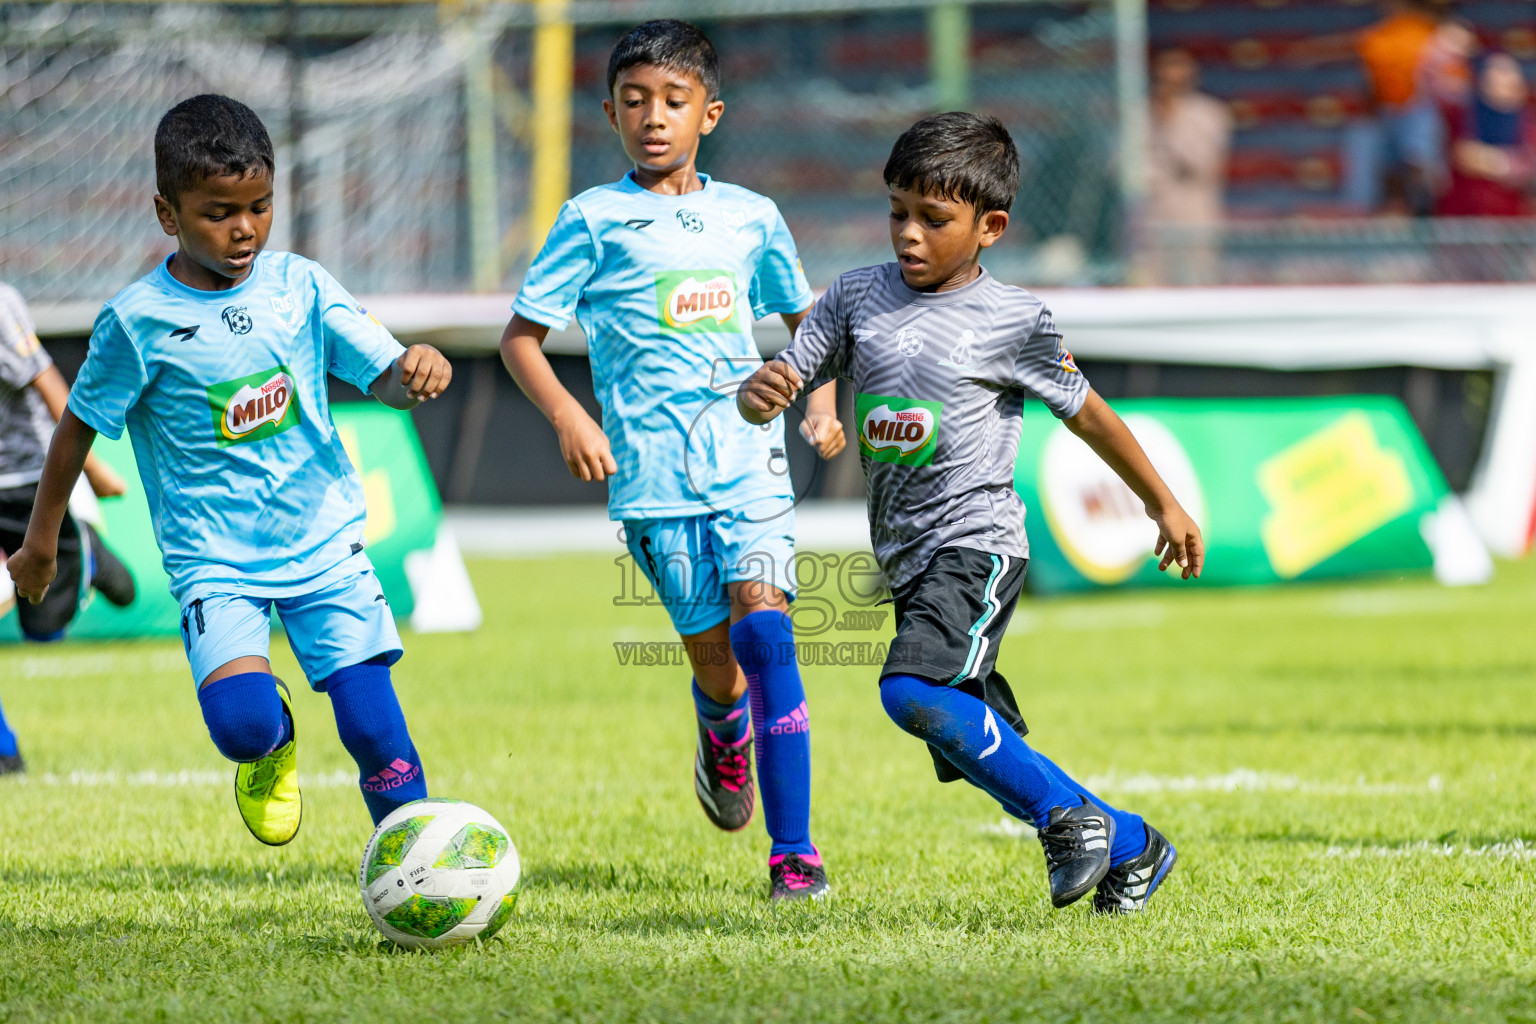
x=821, y=428
x=583, y=444
x=50, y=386
x=34, y=566
x=1178, y=537
x=420, y=373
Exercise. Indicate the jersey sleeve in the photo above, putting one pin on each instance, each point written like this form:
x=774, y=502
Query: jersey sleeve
x=1045, y=367
x=112, y=379
x=560, y=272
x=819, y=350
x=357, y=347
x=22, y=357
x=779, y=284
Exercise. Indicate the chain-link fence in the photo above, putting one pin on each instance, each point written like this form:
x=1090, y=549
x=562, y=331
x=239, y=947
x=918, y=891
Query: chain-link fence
x=368, y=137
x=813, y=106
x=372, y=112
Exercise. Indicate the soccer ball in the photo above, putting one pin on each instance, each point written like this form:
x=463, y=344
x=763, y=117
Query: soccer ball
x=437, y=873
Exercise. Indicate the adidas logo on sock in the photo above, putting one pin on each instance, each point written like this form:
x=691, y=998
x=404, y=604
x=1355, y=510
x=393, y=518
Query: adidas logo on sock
x=798, y=720
x=396, y=774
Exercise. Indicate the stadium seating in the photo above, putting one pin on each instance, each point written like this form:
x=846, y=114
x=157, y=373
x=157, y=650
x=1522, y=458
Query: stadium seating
x=1292, y=100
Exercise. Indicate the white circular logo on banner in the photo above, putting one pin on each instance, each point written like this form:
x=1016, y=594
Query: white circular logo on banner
x=1099, y=524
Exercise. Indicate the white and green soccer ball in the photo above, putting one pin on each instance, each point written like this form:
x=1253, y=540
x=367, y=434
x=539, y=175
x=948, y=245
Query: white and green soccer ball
x=438, y=873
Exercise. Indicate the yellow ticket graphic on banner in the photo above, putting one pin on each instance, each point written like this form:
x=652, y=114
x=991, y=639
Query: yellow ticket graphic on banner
x=1327, y=491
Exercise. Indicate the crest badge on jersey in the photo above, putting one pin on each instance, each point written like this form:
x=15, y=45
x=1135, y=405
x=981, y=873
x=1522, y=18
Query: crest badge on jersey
x=237, y=320
x=909, y=342
x=286, y=309
x=26, y=343
x=1064, y=359
x=960, y=356
x=690, y=221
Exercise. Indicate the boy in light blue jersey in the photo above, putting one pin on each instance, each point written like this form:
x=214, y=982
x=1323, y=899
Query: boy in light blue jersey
x=665, y=270
x=216, y=364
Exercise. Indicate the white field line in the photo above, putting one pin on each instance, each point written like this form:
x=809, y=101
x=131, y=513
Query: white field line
x=75, y=666
x=1009, y=828
x=1379, y=602
x=1514, y=849
x=188, y=779
x=1091, y=619
x=1246, y=780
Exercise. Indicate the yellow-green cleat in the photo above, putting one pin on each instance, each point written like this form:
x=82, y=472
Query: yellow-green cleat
x=267, y=791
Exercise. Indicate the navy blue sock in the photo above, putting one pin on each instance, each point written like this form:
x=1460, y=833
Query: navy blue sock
x=764, y=645
x=988, y=751
x=727, y=721
x=245, y=716
x=7, y=738
x=372, y=728
x=1130, y=830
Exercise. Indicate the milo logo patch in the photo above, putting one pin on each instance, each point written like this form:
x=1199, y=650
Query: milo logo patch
x=903, y=430
x=254, y=407
x=697, y=301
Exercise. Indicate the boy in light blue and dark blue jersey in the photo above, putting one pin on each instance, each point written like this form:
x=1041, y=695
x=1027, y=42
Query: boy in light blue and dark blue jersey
x=216, y=364
x=665, y=270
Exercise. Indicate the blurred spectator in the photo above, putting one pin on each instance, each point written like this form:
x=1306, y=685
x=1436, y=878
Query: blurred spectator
x=1394, y=159
x=1187, y=170
x=1493, y=147
x=1445, y=66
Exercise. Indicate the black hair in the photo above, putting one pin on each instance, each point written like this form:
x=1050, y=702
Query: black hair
x=207, y=136
x=667, y=43
x=966, y=158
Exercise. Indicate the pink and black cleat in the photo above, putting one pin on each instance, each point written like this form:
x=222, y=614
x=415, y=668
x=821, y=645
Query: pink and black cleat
x=795, y=876
x=722, y=777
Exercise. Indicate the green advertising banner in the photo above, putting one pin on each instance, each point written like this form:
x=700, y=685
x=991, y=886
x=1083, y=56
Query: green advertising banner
x=1283, y=489
x=401, y=533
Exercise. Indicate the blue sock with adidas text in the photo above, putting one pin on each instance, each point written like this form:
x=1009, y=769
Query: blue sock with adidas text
x=764, y=645
x=372, y=728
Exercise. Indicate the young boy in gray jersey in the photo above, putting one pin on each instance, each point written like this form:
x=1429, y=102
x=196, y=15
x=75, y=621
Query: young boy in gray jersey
x=32, y=397
x=941, y=356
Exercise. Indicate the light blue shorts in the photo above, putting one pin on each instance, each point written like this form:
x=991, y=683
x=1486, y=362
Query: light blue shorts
x=342, y=624
x=691, y=559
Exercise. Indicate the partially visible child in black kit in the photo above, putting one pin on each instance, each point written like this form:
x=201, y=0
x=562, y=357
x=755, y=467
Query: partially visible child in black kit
x=941, y=356
x=32, y=397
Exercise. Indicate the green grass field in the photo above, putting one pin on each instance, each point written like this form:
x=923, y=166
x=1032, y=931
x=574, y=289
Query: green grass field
x=1346, y=770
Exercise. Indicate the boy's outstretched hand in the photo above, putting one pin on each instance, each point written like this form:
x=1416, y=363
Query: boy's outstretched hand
x=32, y=572
x=824, y=432
x=768, y=391
x=424, y=372
x=1179, y=540
x=583, y=445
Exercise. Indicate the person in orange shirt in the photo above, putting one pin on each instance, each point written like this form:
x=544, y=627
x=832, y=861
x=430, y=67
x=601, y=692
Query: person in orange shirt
x=1397, y=156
